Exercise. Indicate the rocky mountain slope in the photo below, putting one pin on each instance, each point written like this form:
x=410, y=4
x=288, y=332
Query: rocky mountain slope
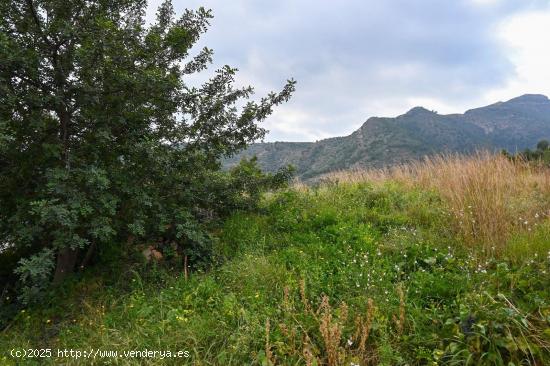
x=513, y=125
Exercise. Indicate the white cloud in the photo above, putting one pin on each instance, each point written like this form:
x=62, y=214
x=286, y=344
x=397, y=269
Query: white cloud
x=526, y=38
x=294, y=124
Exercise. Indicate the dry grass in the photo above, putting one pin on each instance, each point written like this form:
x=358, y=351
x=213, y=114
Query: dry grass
x=327, y=335
x=331, y=332
x=488, y=196
x=268, y=353
x=400, y=320
x=363, y=326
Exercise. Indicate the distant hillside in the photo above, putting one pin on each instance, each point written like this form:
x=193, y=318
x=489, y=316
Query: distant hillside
x=513, y=125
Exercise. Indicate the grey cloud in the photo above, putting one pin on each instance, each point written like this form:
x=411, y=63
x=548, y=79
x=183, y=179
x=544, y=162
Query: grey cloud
x=352, y=57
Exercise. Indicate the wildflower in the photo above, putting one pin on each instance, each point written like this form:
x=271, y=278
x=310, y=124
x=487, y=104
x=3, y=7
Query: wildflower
x=350, y=342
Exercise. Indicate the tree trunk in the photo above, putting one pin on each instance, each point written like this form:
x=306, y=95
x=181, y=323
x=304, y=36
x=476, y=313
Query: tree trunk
x=64, y=119
x=185, y=267
x=66, y=261
x=88, y=256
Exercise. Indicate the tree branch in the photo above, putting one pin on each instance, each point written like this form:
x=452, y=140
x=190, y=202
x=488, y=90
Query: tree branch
x=36, y=19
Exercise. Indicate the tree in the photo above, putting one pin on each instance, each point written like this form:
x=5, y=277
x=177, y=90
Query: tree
x=543, y=145
x=101, y=138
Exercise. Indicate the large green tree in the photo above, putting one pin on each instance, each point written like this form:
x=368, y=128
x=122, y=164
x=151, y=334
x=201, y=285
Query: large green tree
x=101, y=138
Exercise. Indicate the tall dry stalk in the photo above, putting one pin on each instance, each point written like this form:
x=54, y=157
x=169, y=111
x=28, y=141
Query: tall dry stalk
x=268, y=353
x=488, y=196
x=303, y=296
x=327, y=347
x=331, y=332
x=400, y=320
x=363, y=327
x=307, y=353
x=286, y=299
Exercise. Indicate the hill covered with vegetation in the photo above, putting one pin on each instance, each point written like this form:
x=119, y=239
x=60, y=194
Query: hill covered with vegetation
x=513, y=125
x=444, y=262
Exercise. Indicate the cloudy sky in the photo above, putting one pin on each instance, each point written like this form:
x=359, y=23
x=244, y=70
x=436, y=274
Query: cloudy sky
x=355, y=59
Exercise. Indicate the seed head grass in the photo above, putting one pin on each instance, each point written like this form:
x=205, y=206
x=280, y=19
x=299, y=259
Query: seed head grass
x=489, y=197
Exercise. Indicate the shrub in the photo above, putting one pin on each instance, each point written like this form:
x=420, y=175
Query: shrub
x=102, y=139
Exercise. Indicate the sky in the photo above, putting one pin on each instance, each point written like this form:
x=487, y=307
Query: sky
x=355, y=59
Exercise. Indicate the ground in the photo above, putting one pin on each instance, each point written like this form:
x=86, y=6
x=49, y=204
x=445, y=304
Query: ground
x=381, y=269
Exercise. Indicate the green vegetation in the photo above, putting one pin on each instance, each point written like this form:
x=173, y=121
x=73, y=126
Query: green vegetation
x=541, y=154
x=357, y=271
x=120, y=232
x=103, y=141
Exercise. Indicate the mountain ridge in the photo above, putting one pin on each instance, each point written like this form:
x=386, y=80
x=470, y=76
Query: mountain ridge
x=514, y=125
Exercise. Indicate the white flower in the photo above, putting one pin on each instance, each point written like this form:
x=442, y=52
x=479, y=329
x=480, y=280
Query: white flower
x=350, y=342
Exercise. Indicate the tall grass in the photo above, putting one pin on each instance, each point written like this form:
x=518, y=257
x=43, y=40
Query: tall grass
x=489, y=197
x=389, y=282
x=327, y=335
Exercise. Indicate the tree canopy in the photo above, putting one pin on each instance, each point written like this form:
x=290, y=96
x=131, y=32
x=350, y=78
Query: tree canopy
x=102, y=138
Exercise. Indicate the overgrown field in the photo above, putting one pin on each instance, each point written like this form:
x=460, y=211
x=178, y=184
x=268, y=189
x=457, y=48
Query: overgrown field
x=445, y=262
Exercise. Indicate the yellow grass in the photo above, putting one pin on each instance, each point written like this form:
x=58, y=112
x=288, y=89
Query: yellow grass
x=488, y=196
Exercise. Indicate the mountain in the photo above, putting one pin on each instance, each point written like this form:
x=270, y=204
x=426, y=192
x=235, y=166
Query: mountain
x=513, y=125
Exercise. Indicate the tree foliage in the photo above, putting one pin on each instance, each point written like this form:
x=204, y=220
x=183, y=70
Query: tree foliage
x=541, y=154
x=543, y=145
x=101, y=137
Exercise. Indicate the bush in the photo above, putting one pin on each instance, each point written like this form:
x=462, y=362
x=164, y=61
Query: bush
x=103, y=143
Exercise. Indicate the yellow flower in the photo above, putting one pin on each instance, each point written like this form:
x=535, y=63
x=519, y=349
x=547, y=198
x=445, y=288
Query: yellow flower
x=181, y=319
